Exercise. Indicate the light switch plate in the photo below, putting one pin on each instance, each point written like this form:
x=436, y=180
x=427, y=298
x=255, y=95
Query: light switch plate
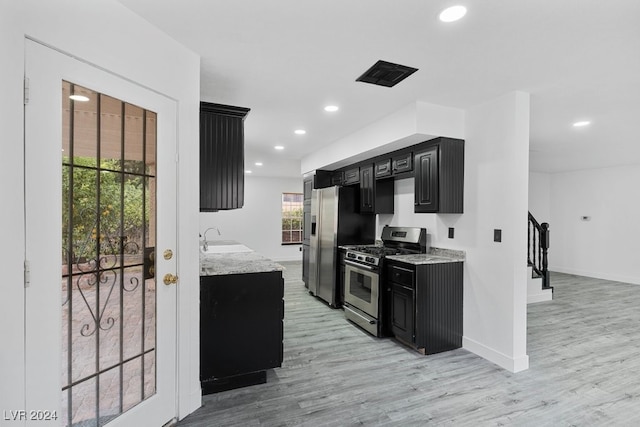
x=451, y=232
x=497, y=235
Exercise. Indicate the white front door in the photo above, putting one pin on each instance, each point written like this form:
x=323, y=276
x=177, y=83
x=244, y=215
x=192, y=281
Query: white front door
x=100, y=191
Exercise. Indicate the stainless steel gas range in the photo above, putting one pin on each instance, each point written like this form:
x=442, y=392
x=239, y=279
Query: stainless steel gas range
x=364, y=300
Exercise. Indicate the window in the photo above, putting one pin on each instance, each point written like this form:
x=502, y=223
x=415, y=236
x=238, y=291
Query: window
x=292, y=218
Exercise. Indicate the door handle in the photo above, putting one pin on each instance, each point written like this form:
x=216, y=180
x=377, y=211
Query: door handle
x=170, y=279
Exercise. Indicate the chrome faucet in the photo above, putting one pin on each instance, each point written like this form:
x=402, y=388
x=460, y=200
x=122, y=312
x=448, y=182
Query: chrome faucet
x=205, y=246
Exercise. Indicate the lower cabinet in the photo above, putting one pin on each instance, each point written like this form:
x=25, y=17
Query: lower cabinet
x=426, y=304
x=402, y=318
x=241, y=329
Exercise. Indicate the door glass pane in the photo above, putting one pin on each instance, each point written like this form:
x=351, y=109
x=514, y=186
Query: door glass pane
x=108, y=257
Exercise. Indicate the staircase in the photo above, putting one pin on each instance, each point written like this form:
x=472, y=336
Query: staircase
x=538, y=281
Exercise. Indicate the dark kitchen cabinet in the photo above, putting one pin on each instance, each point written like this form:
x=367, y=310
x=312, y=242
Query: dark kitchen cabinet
x=426, y=304
x=221, y=156
x=318, y=179
x=401, y=284
x=383, y=169
x=367, y=189
x=402, y=313
x=376, y=196
x=439, y=177
x=351, y=176
x=402, y=163
x=426, y=184
x=337, y=178
x=241, y=329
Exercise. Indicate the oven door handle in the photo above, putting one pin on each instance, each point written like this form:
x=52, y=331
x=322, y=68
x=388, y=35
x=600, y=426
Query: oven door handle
x=355, y=264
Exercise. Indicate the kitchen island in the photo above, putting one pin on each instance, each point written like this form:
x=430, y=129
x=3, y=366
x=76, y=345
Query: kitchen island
x=241, y=313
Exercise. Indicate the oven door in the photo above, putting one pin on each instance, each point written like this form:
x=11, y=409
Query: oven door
x=361, y=287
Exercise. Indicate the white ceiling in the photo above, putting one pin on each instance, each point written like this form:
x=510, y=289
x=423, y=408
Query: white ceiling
x=287, y=59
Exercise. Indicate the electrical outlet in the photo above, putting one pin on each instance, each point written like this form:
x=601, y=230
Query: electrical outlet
x=497, y=235
x=451, y=232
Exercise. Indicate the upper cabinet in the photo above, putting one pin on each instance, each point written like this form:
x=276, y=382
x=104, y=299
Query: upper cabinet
x=439, y=176
x=221, y=156
x=402, y=163
x=383, y=169
x=376, y=196
x=351, y=176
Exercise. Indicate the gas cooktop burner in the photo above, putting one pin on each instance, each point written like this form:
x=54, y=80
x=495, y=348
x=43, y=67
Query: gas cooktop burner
x=378, y=251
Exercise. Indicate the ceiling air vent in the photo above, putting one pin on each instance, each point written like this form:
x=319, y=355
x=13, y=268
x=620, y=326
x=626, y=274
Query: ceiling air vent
x=387, y=74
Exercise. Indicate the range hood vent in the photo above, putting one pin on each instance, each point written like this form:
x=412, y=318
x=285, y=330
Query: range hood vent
x=386, y=74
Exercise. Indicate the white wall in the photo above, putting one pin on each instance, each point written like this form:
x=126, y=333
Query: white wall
x=496, y=187
x=110, y=36
x=607, y=245
x=258, y=223
x=414, y=123
x=540, y=196
x=496, y=181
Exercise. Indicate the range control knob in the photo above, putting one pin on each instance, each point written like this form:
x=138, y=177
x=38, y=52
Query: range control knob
x=370, y=259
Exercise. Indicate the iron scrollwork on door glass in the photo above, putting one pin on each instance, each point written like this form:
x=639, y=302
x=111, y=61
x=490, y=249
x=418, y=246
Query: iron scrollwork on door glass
x=108, y=256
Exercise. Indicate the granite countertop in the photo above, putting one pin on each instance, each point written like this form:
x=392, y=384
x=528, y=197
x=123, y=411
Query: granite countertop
x=245, y=261
x=433, y=256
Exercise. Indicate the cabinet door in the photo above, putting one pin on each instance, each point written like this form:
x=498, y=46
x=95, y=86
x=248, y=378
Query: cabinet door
x=337, y=178
x=426, y=180
x=402, y=319
x=367, y=183
x=221, y=157
x=383, y=169
x=351, y=176
x=402, y=163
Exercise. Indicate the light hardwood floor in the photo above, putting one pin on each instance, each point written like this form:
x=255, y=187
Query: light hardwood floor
x=584, y=370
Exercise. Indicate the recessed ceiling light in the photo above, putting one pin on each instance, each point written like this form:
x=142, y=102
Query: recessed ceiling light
x=452, y=13
x=248, y=171
x=331, y=108
x=279, y=147
x=581, y=123
x=299, y=131
x=80, y=98
x=258, y=163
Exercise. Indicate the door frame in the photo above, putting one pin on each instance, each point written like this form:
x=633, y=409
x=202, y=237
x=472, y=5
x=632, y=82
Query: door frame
x=40, y=238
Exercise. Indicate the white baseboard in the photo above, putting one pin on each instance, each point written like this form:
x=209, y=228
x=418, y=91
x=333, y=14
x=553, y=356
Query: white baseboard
x=595, y=275
x=543, y=295
x=509, y=363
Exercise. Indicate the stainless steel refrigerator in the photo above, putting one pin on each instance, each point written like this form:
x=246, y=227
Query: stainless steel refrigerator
x=335, y=221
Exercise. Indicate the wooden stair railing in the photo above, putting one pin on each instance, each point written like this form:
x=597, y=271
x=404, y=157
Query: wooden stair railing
x=538, y=246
